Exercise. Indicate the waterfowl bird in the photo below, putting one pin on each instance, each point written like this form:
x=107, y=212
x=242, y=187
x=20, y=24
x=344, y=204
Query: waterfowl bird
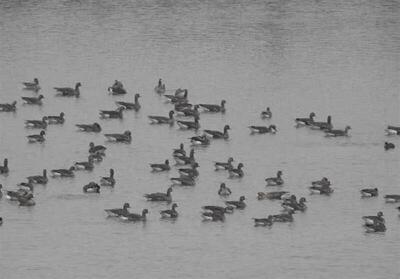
x=131, y=106
x=393, y=130
x=266, y=114
x=337, y=133
x=183, y=106
x=263, y=129
x=213, y=216
x=4, y=168
x=37, y=124
x=117, y=88
x=160, y=88
x=8, y=107
x=185, y=160
x=34, y=86
x=85, y=165
x=200, y=140
x=389, y=145
x=392, y=198
x=162, y=119
x=223, y=190
x=96, y=148
x=323, y=182
x=116, y=212
x=195, y=125
x=371, y=220
x=69, y=92
x=14, y=195
x=92, y=187
x=108, y=180
x=97, y=157
x=214, y=108
x=283, y=217
x=125, y=137
x=26, y=200
x=188, y=111
x=39, y=179
x=218, y=134
x=376, y=227
x=180, y=92
x=322, y=125
x=275, y=181
x=63, y=172
x=95, y=127
x=177, y=98
x=160, y=196
x=240, y=204
x=263, y=221
x=238, y=172
x=305, y=121
x=37, y=138
x=170, y=213
x=135, y=217
x=322, y=190
x=56, y=119
x=369, y=192
x=192, y=171
x=293, y=205
x=183, y=180
x=160, y=167
x=179, y=151
x=28, y=186
x=112, y=113
x=271, y=195
x=224, y=165
x=33, y=100
x=219, y=209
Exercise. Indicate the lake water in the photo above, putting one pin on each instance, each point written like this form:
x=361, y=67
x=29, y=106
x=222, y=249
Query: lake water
x=340, y=58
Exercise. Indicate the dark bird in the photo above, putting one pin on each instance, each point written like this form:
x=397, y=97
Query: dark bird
x=188, y=111
x=38, y=124
x=161, y=167
x=160, y=196
x=96, y=148
x=170, y=213
x=131, y=106
x=389, y=145
x=185, y=160
x=192, y=171
x=266, y=114
x=194, y=125
x=39, y=179
x=369, y=192
x=224, y=165
x=85, y=165
x=263, y=129
x=63, y=172
x=33, y=100
x=214, y=108
x=56, y=119
x=219, y=209
x=179, y=151
x=275, y=181
x=322, y=125
x=213, y=216
x=183, y=180
x=337, y=133
x=116, y=212
x=264, y=222
x=240, y=204
x=134, y=217
x=92, y=187
x=305, y=121
x=4, y=168
x=112, y=113
x=223, y=190
x=271, y=195
x=392, y=130
x=162, y=119
x=238, y=172
x=108, y=180
x=125, y=137
x=69, y=92
x=95, y=127
x=218, y=134
x=34, y=86
x=200, y=140
x=8, y=107
x=37, y=138
x=392, y=198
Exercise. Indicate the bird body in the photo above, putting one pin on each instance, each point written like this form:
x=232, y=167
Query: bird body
x=125, y=137
x=69, y=92
x=94, y=128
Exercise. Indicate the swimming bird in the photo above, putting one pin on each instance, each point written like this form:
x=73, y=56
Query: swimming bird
x=34, y=86
x=95, y=127
x=376, y=227
x=8, y=107
x=33, y=100
x=393, y=130
x=389, y=145
x=160, y=196
x=177, y=98
x=200, y=140
x=116, y=212
x=39, y=179
x=213, y=216
x=96, y=148
x=170, y=213
x=179, y=151
x=323, y=182
x=125, y=137
x=223, y=190
x=4, y=168
x=183, y=180
x=14, y=195
x=305, y=121
x=26, y=200
x=96, y=157
x=135, y=217
x=293, y=205
x=263, y=129
x=160, y=88
x=337, y=133
x=131, y=106
x=28, y=186
x=214, y=108
x=271, y=195
x=69, y=92
x=321, y=189
x=238, y=172
x=263, y=221
x=266, y=114
x=275, y=181
x=38, y=124
x=322, y=125
x=108, y=180
x=283, y=217
x=192, y=171
x=224, y=165
x=195, y=125
x=187, y=111
x=219, y=209
x=92, y=187
x=63, y=172
x=369, y=192
x=218, y=134
x=56, y=119
x=185, y=160
x=371, y=220
x=116, y=90
x=161, y=167
x=112, y=113
x=85, y=165
x=162, y=119
x=392, y=198
x=37, y=138
x=240, y=204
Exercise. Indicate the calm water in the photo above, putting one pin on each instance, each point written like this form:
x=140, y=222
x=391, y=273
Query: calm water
x=331, y=57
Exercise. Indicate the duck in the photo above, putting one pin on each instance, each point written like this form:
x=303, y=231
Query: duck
x=271, y=195
x=185, y=160
x=264, y=222
x=263, y=129
x=39, y=179
x=162, y=119
x=116, y=212
x=294, y=205
x=112, y=114
x=4, y=168
x=213, y=216
x=376, y=227
x=219, y=209
x=92, y=187
x=218, y=134
x=9, y=107
x=192, y=171
x=392, y=198
x=124, y=137
x=63, y=172
x=224, y=165
x=179, y=151
x=94, y=128
x=177, y=99
x=320, y=189
x=214, y=108
x=37, y=137
x=56, y=119
x=275, y=181
x=108, y=180
x=188, y=111
x=131, y=106
x=37, y=124
x=223, y=190
x=33, y=100
x=392, y=130
x=183, y=180
x=238, y=172
x=69, y=92
x=371, y=220
x=28, y=186
x=369, y=192
x=283, y=217
x=170, y=213
x=200, y=140
x=96, y=148
x=14, y=195
x=160, y=196
x=337, y=133
x=240, y=204
x=266, y=114
x=180, y=92
x=389, y=145
x=160, y=88
x=135, y=217
x=117, y=88
x=26, y=200
x=194, y=125
x=34, y=86
x=85, y=165
x=161, y=167
x=96, y=157
x=322, y=125
x=323, y=182
x=305, y=121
